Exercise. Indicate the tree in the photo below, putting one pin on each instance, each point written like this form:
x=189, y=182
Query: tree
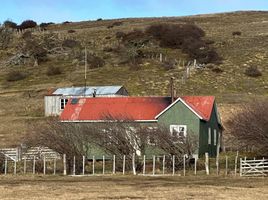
x=10, y=24
x=27, y=24
x=249, y=126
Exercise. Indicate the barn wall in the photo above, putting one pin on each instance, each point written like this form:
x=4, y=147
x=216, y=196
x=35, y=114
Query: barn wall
x=179, y=114
x=204, y=126
x=52, y=105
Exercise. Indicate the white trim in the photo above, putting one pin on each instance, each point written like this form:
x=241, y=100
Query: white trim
x=179, y=99
x=209, y=135
x=215, y=137
x=89, y=121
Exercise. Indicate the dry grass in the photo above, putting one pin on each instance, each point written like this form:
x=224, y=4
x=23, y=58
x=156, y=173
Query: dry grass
x=130, y=187
x=230, y=87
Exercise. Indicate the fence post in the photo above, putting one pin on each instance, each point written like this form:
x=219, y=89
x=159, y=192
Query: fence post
x=93, y=165
x=207, y=163
x=144, y=165
x=240, y=167
x=164, y=161
x=184, y=160
x=195, y=163
x=55, y=166
x=161, y=57
x=153, y=165
x=173, y=165
x=34, y=165
x=133, y=164
x=236, y=158
x=114, y=164
x=24, y=166
x=124, y=164
x=74, y=166
x=217, y=164
x=83, y=167
x=64, y=165
x=226, y=165
x=44, y=166
x=103, y=164
x=5, y=165
x=15, y=167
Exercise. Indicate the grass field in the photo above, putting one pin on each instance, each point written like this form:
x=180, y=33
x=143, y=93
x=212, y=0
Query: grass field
x=132, y=187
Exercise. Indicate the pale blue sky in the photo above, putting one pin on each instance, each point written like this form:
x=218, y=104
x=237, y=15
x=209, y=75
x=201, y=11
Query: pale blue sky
x=79, y=10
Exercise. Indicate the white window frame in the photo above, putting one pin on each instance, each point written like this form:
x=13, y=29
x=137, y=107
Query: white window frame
x=63, y=103
x=215, y=137
x=209, y=135
x=172, y=127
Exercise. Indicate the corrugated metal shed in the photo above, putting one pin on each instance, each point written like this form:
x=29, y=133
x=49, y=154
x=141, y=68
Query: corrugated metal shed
x=88, y=91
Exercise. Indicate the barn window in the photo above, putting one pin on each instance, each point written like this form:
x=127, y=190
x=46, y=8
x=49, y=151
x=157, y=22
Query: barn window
x=179, y=132
x=209, y=135
x=151, y=136
x=215, y=137
x=63, y=103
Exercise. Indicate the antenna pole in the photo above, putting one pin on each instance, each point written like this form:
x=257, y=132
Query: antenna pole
x=85, y=71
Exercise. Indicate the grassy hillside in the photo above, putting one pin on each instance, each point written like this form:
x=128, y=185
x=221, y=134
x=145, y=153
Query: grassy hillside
x=22, y=101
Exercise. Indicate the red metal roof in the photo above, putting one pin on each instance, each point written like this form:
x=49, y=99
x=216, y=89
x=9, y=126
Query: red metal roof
x=129, y=108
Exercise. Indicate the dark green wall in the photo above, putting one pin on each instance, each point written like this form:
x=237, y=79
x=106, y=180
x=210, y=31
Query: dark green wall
x=203, y=141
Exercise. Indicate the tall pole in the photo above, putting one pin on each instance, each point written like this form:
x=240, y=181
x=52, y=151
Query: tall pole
x=85, y=71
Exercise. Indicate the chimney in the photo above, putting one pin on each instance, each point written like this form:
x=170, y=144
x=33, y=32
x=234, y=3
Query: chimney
x=94, y=92
x=172, y=89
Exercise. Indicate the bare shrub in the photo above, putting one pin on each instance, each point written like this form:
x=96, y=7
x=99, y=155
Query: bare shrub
x=69, y=43
x=237, y=33
x=249, y=126
x=10, y=24
x=15, y=76
x=95, y=61
x=5, y=38
x=71, y=31
x=253, y=71
x=37, y=51
x=27, y=24
x=52, y=71
x=27, y=35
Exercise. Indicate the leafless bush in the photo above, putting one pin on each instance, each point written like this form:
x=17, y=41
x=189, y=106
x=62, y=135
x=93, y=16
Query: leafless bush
x=253, y=71
x=5, y=38
x=249, y=126
x=237, y=33
x=69, y=43
x=27, y=24
x=15, y=76
x=52, y=71
x=10, y=24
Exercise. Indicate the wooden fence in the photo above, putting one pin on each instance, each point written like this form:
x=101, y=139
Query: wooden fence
x=253, y=167
x=135, y=165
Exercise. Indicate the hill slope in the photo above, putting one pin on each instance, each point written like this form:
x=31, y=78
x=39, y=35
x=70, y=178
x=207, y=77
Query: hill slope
x=22, y=101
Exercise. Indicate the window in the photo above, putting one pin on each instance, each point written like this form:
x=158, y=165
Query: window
x=63, y=103
x=215, y=137
x=209, y=135
x=151, y=135
x=179, y=132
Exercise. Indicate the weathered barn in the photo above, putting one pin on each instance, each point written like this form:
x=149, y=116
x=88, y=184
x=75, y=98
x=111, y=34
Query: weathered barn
x=188, y=114
x=56, y=100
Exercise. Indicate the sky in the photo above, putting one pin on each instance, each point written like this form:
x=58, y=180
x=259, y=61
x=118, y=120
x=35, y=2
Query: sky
x=83, y=10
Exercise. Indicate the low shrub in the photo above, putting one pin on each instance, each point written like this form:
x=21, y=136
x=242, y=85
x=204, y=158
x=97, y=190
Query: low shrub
x=69, y=43
x=108, y=37
x=253, y=71
x=217, y=70
x=27, y=24
x=52, y=71
x=10, y=24
x=99, y=19
x=71, y=31
x=15, y=76
x=66, y=22
x=237, y=33
x=95, y=61
x=117, y=23
x=27, y=35
x=120, y=35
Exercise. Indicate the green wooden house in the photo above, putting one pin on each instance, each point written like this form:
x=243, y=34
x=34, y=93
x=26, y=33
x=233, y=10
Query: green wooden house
x=189, y=114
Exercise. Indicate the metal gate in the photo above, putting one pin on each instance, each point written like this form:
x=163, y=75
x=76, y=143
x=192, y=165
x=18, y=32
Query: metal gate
x=253, y=167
